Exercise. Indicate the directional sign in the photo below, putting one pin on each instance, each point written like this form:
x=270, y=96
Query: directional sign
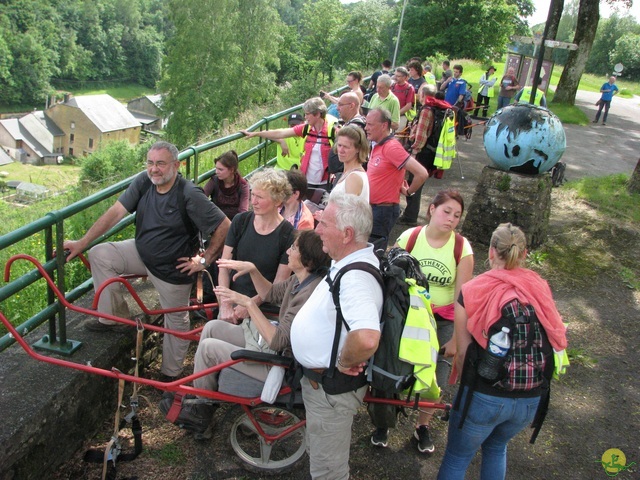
x=547, y=43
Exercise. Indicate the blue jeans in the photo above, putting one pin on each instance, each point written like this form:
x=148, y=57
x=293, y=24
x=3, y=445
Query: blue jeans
x=491, y=422
x=384, y=219
x=503, y=102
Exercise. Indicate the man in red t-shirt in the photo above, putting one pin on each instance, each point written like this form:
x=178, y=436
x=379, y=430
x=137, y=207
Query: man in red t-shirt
x=386, y=170
x=405, y=93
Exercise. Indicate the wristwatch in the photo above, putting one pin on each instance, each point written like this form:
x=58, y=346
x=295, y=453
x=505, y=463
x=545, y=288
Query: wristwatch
x=203, y=261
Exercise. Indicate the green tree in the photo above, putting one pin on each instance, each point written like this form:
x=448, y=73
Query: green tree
x=627, y=52
x=113, y=162
x=367, y=42
x=609, y=31
x=588, y=18
x=213, y=68
x=465, y=29
x=322, y=23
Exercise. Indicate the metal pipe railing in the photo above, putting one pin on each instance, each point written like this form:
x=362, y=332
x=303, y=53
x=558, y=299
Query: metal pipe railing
x=55, y=221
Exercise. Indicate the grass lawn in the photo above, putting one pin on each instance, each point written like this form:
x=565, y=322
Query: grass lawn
x=122, y=93
x=54, y=177
x=567, y=114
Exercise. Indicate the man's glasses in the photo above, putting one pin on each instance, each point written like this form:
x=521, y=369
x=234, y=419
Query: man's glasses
x=159, y=164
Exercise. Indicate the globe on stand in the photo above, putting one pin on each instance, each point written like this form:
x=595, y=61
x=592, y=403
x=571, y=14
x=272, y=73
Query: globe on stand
x=525, y=139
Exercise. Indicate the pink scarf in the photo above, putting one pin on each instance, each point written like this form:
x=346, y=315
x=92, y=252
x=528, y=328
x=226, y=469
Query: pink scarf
x=485, y=295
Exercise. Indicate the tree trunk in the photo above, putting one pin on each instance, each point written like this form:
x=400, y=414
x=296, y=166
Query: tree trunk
x=557, y=7
x=588, y=18
x=634, y=181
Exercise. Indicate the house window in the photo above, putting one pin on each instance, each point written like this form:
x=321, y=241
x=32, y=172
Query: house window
x=71, y=152
x=71, y=138
x=91, y=143
x=73, y=125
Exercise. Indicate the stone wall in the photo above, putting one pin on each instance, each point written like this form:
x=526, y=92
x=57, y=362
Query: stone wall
x=49, y=411
x=500, y=197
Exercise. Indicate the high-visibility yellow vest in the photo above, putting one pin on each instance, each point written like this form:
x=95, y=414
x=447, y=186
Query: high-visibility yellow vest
x=446, y=149
x=490, y=90
x=419, y=342
x=526, y=96
x=430, y=78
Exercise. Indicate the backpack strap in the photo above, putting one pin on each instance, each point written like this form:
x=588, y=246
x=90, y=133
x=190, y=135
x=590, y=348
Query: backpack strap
x=412, y=239
x=545, y=397
x=192, y=230
x=457, y=247
x=334, y=289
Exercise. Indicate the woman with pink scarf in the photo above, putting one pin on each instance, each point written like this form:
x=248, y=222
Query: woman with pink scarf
x=487, y=415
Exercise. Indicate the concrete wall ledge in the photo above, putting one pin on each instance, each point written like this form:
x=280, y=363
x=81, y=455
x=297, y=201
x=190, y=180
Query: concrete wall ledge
x=49, y=411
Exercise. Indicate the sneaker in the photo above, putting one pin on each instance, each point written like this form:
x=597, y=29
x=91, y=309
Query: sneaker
x=195, y=415
x=603, y=124
x=425, y=445
x=98, y=326
x=380, y=438
x=595, y=121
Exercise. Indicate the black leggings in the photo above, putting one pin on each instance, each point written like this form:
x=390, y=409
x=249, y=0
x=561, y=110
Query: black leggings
x=481, y=100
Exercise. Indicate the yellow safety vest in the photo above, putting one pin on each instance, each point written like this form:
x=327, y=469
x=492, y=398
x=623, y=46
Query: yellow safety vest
x=490, y=90
x=446, y=149
x=430, y=78
x=526, y=96
x=419, y=342
x=296, y=150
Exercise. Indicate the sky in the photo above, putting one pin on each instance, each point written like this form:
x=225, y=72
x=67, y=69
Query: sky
x=542, y=10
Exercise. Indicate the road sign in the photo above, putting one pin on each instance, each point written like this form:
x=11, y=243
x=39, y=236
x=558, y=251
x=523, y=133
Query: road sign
x=547, y=43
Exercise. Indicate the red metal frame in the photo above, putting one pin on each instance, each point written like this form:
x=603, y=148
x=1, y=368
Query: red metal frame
x=179, y=385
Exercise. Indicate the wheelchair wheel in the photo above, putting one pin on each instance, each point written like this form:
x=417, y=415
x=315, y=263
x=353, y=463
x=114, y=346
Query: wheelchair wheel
x=282, y=454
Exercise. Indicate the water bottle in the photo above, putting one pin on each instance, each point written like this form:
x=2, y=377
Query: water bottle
x=494, y=356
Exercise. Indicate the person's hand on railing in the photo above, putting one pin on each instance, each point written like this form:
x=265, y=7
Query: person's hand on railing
x=74, y=247
x=249, y=134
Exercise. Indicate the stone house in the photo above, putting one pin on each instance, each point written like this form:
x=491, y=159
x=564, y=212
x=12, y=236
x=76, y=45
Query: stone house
x=148, y=111
x=33, y=138
x=89, y=121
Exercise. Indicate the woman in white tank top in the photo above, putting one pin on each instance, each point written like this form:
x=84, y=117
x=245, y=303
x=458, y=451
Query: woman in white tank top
x=353, y=150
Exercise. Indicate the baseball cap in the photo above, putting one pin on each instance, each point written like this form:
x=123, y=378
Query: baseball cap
x=295, y=118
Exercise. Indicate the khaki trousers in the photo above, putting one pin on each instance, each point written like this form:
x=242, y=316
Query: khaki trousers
x=112, y=259
x=329, y=420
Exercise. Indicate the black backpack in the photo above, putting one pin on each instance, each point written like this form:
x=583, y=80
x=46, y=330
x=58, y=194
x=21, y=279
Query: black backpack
x=386, y=372
x=427, y=155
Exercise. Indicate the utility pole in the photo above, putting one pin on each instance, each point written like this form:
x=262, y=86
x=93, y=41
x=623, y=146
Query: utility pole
x=395, y=54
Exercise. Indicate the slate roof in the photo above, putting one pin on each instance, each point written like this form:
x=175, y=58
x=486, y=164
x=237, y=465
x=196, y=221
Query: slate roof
x=105, y=112
x=32, y=132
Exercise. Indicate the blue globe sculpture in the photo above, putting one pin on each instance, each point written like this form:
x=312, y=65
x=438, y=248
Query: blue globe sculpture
x=524, y=139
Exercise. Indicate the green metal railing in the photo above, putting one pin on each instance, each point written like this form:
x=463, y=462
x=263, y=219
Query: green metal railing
x=52, y=225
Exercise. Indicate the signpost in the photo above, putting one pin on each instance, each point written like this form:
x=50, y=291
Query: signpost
x=542, y=42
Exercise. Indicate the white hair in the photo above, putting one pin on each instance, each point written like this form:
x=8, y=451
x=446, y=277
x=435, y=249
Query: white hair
x=353, y=211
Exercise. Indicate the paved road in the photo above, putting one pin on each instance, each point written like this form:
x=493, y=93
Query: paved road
x=592, y=150
x=597, y=150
